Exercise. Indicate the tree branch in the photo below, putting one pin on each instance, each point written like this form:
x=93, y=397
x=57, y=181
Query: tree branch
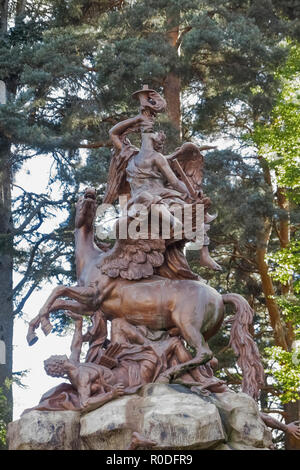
x=181, y=35
x=36, y=210
x=89, y=69
x=30, y=262
x=96, y=145
x=25, y=298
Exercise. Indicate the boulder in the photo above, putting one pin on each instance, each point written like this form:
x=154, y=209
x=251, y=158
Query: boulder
x=171, y=415
x=107, y=428
x=241, y=420
x=45, y=430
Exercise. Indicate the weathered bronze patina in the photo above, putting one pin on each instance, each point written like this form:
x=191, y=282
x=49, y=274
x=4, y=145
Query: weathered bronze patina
x=159, y=309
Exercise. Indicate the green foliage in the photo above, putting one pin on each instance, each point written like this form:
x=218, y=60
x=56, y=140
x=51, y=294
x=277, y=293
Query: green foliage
x=5, y=411
x=51, y=108
x=286, y=372
x=2, y=422
x=290, y=307
x=278, y=141
x=225, y=51
x=285, y=268
x=287, y=264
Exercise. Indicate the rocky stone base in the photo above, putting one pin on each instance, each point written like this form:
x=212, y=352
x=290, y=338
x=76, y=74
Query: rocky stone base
x=170, y=415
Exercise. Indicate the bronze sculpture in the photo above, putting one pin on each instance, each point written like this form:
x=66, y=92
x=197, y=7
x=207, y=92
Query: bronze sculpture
x=131, y=360
x=144, y=286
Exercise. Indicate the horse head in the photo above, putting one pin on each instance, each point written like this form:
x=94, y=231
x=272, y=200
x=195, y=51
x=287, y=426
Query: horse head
x=86, y=209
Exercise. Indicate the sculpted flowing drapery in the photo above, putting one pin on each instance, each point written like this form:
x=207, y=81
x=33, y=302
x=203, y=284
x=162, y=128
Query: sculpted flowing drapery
x=151, y=180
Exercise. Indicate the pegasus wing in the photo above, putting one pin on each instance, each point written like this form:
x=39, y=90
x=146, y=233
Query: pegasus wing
x=133, y=259
x=192, y=163
x=116, y=182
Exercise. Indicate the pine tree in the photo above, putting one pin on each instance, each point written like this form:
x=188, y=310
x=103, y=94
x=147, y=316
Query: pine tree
x=278, y=143
x=215, y=66
x=69, y=69
x=48, y=107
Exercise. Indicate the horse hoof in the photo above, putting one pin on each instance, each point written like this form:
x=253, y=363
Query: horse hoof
x=46, y=328
x=31, y=339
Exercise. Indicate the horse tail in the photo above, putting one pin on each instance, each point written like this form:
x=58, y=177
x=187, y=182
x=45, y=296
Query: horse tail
x=244, y=346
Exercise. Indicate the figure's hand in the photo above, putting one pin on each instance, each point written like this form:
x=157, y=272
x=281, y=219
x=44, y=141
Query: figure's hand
x=294, y=429
x=143, y=118
x=118, y=390
x=188, y=198
x=184, y=190
x=145, y=121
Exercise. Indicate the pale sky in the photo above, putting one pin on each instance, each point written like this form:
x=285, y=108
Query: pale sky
x=34, y=177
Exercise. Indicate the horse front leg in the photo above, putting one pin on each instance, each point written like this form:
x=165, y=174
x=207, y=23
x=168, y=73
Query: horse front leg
x=86, y=296
x=72, y=305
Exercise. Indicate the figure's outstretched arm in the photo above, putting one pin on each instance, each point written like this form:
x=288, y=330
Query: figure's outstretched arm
x=84, y=392
x=272, y=422
x=77, y=337
x=119, y=129
x=291, y=428
x=91, y=403
x=162, y=163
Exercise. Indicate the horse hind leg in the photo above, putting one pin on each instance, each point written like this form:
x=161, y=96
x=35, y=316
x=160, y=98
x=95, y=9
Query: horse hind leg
x=196, y=340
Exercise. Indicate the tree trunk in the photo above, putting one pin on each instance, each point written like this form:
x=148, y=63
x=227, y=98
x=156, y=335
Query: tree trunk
x=281, y=333
x=284, y=226
x=284, y=238
x=292, y=411
x=3, y=15
x=6, y=252
x=172, y=86
x=268, y=288
x=6, y=266
x=172, y=83
x=20, y=7
x=20, y=11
